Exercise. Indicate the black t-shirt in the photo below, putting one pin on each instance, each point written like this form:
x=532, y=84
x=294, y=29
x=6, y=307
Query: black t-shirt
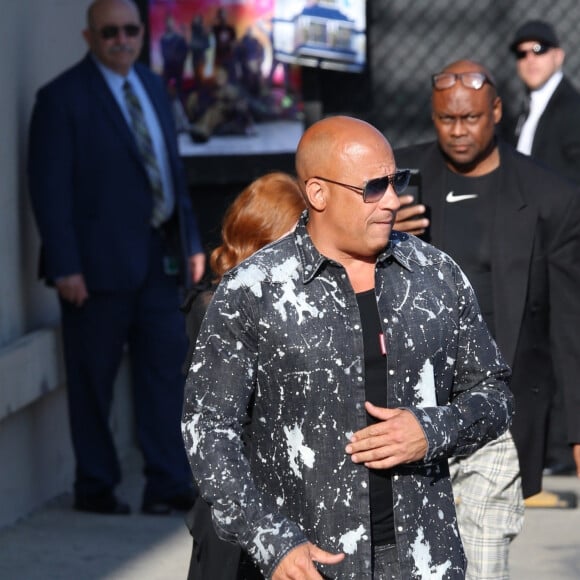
x=380, y=485
x=466, y=230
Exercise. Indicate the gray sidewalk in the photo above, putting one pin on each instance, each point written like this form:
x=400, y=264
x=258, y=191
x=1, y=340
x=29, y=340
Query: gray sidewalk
x=549, y=546
x=56, y=543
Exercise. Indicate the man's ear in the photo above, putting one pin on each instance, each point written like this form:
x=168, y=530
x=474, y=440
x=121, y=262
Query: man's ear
x=87, y=36
x=560, y=55
x=316, y=192
x=497, y=110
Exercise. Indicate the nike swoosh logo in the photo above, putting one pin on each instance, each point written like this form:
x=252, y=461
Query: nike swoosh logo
x=452, y=198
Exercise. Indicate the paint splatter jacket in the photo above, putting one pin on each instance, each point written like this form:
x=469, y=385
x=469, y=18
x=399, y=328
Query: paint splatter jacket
x=283, y=333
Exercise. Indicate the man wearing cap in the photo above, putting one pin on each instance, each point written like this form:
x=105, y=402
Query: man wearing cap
x=550, y=132
x=550, y=129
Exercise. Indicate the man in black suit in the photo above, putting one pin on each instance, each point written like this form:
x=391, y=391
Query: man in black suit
x=118, y=235
x=514, y=228
x=549, y=127
x=551, y=134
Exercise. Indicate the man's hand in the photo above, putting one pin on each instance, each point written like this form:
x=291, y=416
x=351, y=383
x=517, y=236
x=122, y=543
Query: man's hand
x=408, y=220
x=297, y=564
x=576, y=453
x=197, y=266
x=72, y=289
x=397, y=439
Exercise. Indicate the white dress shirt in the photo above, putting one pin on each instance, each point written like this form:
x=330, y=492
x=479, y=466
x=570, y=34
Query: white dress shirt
x=538, y=102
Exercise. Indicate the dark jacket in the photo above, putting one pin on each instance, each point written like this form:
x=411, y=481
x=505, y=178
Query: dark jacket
x=90, y=194
x=284, y=326
x=536, y=279
x=557, y=138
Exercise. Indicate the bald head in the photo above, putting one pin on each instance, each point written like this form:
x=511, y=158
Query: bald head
x=98, y=7
x=335, y=142
x=465, y=112
x=489, y=87
x=335, y=160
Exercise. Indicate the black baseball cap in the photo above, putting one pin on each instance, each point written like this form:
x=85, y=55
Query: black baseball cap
x=537, y=30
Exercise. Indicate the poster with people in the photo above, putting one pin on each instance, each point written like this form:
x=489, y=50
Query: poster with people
x=217, y=60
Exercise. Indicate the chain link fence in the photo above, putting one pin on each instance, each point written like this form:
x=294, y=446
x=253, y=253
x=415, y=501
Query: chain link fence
x=409, y=40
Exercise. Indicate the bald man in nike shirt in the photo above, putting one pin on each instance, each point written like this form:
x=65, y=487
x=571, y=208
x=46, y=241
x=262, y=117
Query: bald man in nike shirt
x=514, y=228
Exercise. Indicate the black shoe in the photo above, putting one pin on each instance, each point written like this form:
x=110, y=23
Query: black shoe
x=180, y=502
x=102, y=504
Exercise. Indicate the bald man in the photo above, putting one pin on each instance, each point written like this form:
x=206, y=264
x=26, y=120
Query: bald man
x=365, y=363
x=118, y=238
x=514, y=228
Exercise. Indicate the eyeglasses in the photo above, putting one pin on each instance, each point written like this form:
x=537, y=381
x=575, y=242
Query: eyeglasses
x=112, y=31
x=536, y=50
x=374, y=189
x=471, y=80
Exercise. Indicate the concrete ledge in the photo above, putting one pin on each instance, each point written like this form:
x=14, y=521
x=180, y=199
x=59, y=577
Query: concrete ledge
x=34, y=426
x=30, y=367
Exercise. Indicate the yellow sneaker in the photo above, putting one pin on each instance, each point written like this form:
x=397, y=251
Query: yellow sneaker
x=552, y=499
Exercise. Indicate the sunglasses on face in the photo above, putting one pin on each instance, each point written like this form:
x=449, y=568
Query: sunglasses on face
x=471, y=80
x=536, y=50
x=112, y=31
x=374, y=189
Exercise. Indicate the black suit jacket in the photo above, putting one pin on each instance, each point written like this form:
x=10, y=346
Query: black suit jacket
x=89, y=187
x=557, y=138
x=536, y=283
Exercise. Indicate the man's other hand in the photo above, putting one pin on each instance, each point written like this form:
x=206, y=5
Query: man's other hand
x=197, y=266
x=298, y=564
x=411, y=218
x=576, y=452
x=72, y=289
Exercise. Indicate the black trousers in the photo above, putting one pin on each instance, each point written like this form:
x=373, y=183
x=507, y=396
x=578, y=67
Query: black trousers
x=211, y=557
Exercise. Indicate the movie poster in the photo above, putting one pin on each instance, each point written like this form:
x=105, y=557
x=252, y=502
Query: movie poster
x=217, y=60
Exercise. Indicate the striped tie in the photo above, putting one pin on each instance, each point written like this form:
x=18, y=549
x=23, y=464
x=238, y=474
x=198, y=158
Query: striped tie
x=145, y=146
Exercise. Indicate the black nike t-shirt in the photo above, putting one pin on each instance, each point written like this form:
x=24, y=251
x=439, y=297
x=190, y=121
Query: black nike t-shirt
x=467, y=234
x=380, y=485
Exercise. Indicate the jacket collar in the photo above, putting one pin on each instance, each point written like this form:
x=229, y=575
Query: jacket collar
x=313, y=261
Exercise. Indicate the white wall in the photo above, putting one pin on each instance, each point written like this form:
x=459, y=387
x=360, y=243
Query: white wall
x=40, y=38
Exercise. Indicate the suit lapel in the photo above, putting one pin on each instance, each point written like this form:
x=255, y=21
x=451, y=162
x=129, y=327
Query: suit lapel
x=98, y=87
x=514, y=228
x=550, y=112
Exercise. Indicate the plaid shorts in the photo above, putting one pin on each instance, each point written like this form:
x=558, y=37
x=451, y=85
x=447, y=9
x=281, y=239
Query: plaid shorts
x=490, y=506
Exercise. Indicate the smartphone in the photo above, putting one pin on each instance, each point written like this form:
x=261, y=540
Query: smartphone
x=414, y=187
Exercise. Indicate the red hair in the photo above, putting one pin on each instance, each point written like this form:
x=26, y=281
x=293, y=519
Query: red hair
x=260, y=214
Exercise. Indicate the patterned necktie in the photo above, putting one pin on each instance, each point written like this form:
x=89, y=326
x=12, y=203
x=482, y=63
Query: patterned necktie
x=145, y=146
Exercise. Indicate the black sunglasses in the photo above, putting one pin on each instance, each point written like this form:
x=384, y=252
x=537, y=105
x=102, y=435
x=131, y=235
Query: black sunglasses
x=112, y=31
x=374, y=189
x=471, y=80
x=536, y=50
